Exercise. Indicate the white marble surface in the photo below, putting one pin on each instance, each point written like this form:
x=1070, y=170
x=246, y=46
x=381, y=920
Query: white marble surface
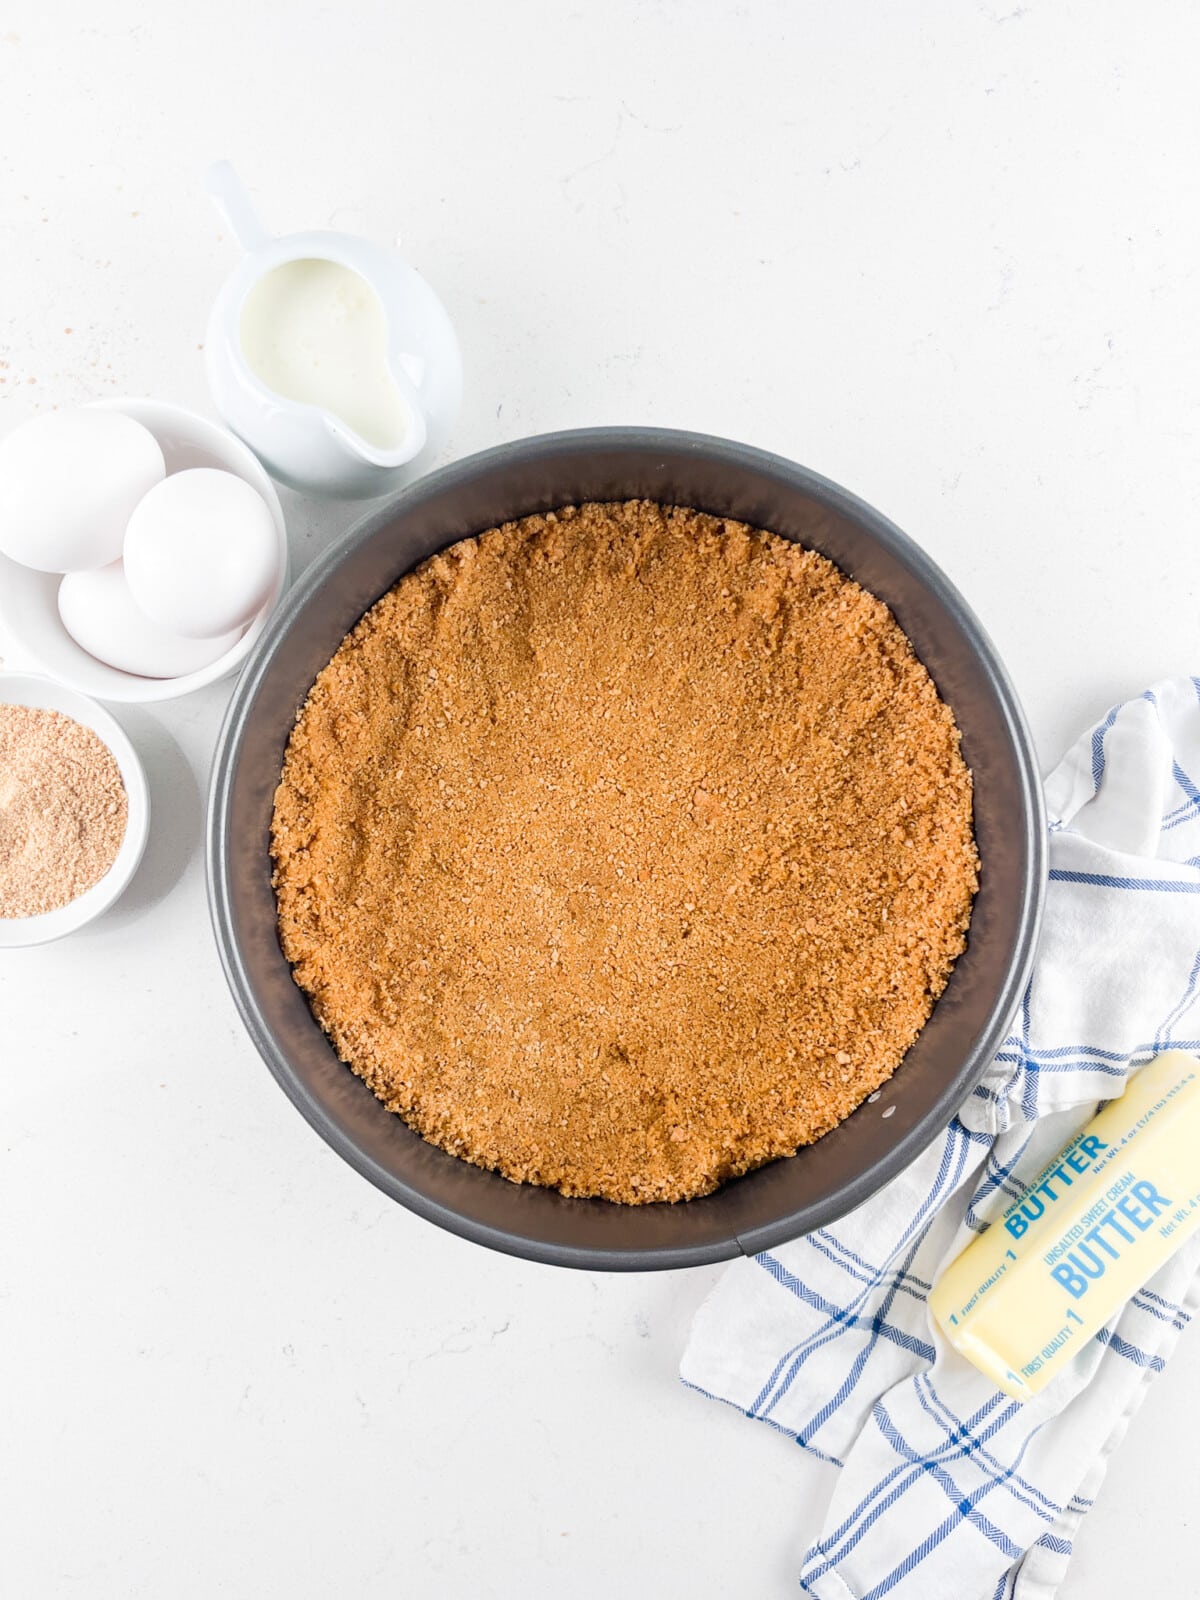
x=944, y=252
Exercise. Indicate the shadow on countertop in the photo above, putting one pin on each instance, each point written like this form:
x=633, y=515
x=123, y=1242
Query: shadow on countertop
x=176, y=821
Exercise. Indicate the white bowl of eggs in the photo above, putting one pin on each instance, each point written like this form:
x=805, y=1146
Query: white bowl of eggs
x=142, y=549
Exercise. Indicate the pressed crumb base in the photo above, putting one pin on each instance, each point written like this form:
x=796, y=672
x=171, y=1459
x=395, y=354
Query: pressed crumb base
x=623, y=849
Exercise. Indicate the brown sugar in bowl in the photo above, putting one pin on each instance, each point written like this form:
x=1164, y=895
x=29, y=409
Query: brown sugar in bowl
x=787, y=1196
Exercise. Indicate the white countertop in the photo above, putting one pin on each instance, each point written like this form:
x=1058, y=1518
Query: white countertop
x=945, y=253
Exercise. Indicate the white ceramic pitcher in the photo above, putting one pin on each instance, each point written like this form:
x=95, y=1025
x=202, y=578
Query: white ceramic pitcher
x=308, y=446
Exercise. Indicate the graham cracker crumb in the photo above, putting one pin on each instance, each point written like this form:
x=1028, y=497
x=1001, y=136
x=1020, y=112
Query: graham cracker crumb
x=624, y=849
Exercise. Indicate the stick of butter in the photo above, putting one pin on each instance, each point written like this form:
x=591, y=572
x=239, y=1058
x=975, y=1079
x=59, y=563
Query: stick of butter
x=1026, y=1296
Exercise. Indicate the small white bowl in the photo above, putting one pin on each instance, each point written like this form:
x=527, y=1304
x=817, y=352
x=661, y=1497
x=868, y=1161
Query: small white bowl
x=29, y=600
x=27, y=689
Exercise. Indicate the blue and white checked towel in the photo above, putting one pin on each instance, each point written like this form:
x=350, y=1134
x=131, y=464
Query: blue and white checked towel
x=948, y=1490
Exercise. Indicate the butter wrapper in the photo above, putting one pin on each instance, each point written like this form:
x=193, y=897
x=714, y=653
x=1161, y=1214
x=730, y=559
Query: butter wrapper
x=1099, y=1220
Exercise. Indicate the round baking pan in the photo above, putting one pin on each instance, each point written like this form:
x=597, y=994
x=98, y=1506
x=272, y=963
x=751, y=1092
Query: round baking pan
x=788, y=1197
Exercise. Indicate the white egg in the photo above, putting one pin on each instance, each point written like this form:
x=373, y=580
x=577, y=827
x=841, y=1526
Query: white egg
x=69, y=481
x=201, y=552
x=102, y=617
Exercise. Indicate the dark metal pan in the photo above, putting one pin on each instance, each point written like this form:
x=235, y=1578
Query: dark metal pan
x=788, y=1197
